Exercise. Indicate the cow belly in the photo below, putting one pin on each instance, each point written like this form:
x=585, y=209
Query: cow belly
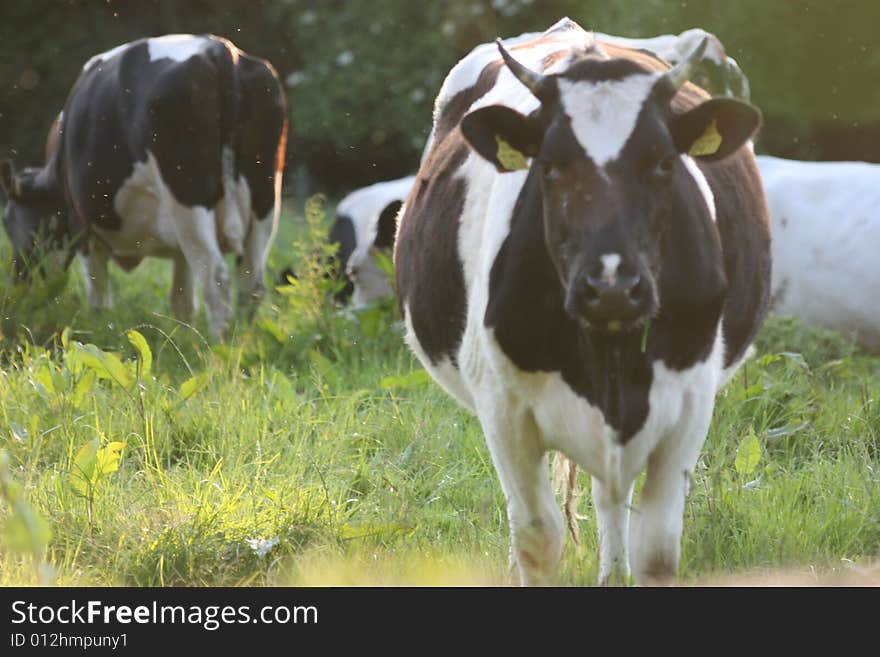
x=444, y=371
x=146, y=207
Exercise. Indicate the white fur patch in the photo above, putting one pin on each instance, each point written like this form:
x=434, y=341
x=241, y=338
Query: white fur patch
x=178, y=47
x=603, y=114
x=563, y=35
x=146, y=230
x=825, y=219
x=443, y=372
x=364, y=206
x=702, y=183
x=105, y=56
x=610, y=263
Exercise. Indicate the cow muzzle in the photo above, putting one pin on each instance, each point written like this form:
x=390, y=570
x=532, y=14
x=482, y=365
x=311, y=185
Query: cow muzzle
x=610, y=303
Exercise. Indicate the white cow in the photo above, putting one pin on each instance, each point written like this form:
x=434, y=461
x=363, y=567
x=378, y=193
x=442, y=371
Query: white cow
x=826, y=228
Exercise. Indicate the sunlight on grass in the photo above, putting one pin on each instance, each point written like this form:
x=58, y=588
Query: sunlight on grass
x=311, y=449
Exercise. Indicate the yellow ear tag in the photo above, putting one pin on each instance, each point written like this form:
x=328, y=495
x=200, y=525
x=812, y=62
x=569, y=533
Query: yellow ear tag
x=510, y=158
x=16, y=187
x=708, y=143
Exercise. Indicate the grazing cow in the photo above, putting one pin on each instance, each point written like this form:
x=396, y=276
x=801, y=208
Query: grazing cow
x=354, y=227
x=366, y=221
x=584, y=260
x=170, y=146
x=826, y=223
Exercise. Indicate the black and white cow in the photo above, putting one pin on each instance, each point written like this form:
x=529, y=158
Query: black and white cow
x=366, y=217
x=583, y=261
x=170, y=146
x=366, y=222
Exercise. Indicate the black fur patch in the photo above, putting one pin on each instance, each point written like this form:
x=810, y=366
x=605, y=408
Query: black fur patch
x=387, y=225
x=342, y=233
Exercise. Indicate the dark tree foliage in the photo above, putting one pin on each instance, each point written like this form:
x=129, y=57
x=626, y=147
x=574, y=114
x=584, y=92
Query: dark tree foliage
x=362, y=74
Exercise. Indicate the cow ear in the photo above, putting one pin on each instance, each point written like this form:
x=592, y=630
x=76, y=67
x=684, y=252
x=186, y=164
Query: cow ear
x=715, y=129
x=386, y=228
x=502, y=136
x=11, y=186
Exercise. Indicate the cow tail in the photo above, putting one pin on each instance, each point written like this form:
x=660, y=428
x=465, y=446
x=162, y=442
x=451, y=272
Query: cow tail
x=564, y=479
x=234, y=218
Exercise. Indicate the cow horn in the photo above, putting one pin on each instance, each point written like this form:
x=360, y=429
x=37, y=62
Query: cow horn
x=534, y=81
x=682, y=71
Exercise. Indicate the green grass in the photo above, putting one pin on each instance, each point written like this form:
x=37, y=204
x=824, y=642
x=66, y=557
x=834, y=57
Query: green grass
x=304, y=432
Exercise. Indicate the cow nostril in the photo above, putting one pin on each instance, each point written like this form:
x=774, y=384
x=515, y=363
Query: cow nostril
x=636, y=292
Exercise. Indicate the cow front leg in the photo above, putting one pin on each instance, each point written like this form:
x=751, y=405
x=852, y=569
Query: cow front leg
x=612, y=515
x=97, y=278
x=252, y=265
x=184, y=293
x=656, y=522
x=537, y=532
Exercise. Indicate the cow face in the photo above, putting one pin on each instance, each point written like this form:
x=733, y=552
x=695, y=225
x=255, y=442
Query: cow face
x=357, y=276
x=612, y=162
x=34, y=217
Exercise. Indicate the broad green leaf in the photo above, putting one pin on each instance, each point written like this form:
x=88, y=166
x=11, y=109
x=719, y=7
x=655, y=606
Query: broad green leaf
x=65, y=337
x=193, y=385
x=768, y=359
x=414, y=379
x=83, y=473
x=145, y=355
x=274, y=330
x=43, y=376
x=748, y=454
x=105, y=364
x=59, y=382
x=108, y=458
x=754, y=390
x=83, y=387
x=384, y=263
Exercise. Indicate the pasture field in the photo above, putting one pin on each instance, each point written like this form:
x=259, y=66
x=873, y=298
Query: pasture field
x=311, y=449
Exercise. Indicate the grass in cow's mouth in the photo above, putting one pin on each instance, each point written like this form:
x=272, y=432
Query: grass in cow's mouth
x=310, y=449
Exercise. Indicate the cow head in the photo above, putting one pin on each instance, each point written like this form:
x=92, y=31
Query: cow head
x=621, y=194
x=358, y=277
x=716, y=72
x=34, y=217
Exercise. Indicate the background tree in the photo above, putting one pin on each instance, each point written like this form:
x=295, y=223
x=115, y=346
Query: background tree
x=362, y=74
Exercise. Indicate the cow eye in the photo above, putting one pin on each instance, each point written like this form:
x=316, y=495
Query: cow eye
x=550, y=172
x=665, y=167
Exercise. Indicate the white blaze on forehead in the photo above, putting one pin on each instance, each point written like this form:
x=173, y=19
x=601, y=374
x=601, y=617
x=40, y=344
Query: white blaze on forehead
x=610, y=263
x=603, y=114
x=178, y=47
